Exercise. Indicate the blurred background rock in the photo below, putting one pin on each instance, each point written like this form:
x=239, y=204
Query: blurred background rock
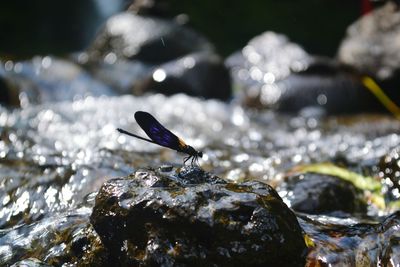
x=42, y=27
x=135, y=47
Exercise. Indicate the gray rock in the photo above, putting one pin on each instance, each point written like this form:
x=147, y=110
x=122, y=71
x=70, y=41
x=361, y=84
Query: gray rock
x=130, y=36
x=137, y=54
x=122, y=75
x=199, y=74
x=272, y=72
x=372, y=43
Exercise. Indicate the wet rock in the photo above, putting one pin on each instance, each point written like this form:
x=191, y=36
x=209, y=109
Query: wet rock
x=193, y=218
x=49, y=79
x=31, y=262
x=268, y=57
x=158, y=8
x=9, y=92
x=334, y=92
x=271, y=72
x=371, y=47
x=166, y=168
x=389, y=172
x=372, y=43
x=52, y=155
x=201, y=74
x=147, y=39
x=353, y=244
x=322, y=194
x=138, y=54
x=52, y=241
x=122, y=75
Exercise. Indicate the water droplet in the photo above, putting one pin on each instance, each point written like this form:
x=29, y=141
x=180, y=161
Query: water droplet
x=189, y=62
x=159, y=75
x=110, y=58
x=322, y=99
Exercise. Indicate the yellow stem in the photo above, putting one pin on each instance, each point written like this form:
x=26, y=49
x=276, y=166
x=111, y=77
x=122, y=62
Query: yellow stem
x=381, y=96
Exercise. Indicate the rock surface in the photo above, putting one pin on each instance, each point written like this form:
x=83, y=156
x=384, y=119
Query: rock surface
x=139, y=54
x=200, y=74
x=371, y=47
x=372, y=43
x=322, y=194
x=31, y=262
x=272, y=72
x=354, y=244
x=195, y=219
x=152, y=40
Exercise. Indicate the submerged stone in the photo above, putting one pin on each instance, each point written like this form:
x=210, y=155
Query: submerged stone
x=192, y=218
x=322, y=194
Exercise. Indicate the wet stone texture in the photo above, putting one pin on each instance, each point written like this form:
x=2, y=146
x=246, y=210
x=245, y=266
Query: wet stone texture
x=322, y=194
x=191, y=218
x=354, y=244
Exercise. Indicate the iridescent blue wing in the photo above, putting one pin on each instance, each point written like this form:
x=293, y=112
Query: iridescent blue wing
x=158, y=133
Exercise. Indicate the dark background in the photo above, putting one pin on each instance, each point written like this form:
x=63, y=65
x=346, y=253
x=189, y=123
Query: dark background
x=59, y=27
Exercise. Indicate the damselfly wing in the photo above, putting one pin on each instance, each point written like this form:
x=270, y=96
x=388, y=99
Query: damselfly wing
x=162, y=136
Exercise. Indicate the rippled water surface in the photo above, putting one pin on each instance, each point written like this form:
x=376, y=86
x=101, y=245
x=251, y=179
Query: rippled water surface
x=52, y=156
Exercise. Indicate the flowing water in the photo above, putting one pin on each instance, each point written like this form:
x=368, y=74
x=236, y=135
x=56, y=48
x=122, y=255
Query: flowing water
x=55, y=157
